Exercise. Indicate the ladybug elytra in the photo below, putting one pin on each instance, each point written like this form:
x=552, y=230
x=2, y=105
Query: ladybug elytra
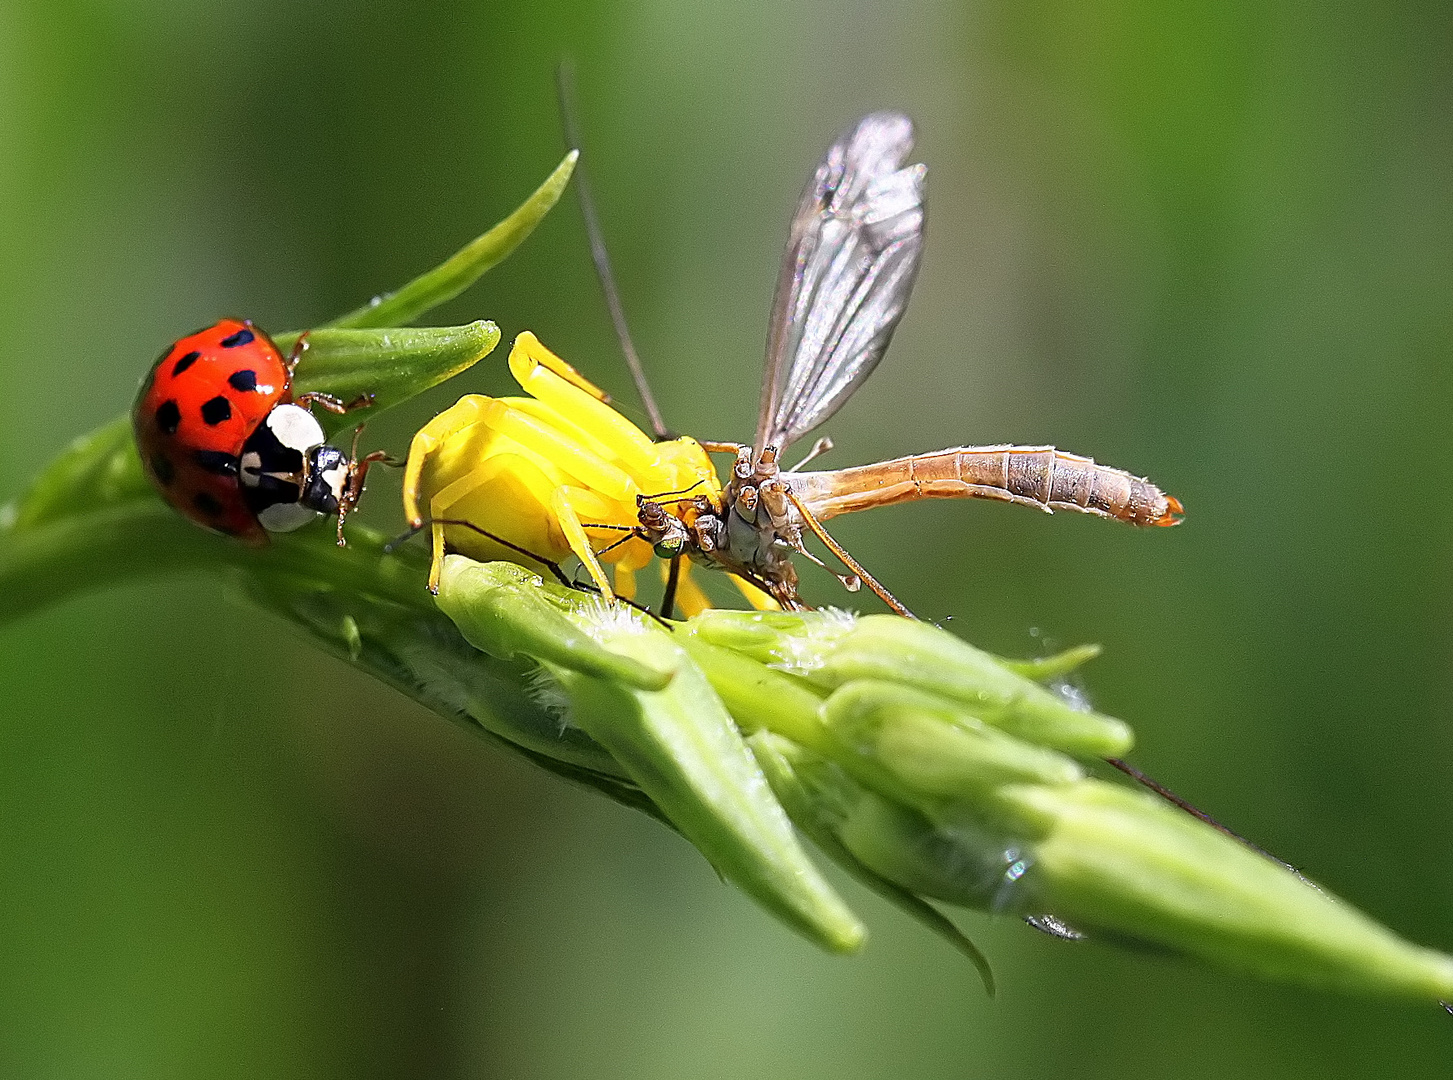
x=227, y=445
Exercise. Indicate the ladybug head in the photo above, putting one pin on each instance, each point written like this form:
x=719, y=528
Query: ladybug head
x=289, y=474
x=324, y=490
x=279, y=468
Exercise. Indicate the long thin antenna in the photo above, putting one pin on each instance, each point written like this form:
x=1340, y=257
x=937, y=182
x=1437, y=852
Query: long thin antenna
x=565, y=87
x=1175, y=800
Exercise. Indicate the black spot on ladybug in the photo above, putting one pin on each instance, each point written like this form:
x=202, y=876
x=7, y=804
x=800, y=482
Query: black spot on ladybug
x=207, y=503
x=215, y=411
x=216, y=461
x=168, y=417
x=163, y=470
x=242, y=337
x=185, y=362
x=244, y=380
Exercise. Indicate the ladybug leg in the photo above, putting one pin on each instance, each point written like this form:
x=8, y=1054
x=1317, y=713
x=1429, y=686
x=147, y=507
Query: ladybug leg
x=328, y=401
x=380, y=456
x=357, y=473
x=299, y=347
x=333, y=404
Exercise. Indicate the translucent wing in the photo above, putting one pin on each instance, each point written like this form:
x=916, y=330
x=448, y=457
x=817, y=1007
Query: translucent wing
x=852, y=254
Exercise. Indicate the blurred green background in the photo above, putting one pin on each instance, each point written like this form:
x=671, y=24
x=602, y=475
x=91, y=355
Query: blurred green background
x=1210, y=242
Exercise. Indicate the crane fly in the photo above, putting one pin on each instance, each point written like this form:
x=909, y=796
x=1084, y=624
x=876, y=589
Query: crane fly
x=560, y=472
x=852, y=255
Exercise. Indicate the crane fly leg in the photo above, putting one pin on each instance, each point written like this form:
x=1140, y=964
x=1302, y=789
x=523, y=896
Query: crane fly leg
x=687, y=594
x=846, y=559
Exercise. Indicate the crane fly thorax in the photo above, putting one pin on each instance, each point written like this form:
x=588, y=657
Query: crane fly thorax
x=758, y=527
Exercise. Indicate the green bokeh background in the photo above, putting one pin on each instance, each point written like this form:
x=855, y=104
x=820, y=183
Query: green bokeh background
x=1211, y=242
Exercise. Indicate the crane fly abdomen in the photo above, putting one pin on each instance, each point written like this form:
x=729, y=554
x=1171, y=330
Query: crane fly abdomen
x=1039, y=476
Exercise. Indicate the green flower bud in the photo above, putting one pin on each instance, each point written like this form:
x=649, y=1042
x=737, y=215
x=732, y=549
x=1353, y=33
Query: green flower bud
x=681, y=747
x=960, y=861
x=927, y=750
x=759, y=697
x=1122, y=861
x=821, y=799
x=504, y=610
x=833, y=648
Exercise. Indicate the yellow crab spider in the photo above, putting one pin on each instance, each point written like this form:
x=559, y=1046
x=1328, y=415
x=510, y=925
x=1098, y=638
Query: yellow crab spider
x=556, y=474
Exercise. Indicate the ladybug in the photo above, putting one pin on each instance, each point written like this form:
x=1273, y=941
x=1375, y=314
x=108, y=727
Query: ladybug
x=225, y=442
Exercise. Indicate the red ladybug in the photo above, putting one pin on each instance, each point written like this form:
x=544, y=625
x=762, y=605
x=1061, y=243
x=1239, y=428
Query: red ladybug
x=227, y=445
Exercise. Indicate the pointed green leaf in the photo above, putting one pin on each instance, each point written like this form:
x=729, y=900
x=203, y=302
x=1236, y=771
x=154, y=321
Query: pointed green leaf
x=464, y=267
x=1044, y=668
x=388, y=365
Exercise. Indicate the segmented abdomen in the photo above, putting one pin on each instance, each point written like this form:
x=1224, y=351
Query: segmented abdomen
x=1033, y=475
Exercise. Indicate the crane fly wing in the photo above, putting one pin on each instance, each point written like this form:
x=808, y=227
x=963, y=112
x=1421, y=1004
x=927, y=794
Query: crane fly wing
x=852, y=254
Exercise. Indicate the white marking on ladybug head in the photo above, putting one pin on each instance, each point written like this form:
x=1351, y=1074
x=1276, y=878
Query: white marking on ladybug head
x=285, y=516
x=336, y=478
x=295, y=427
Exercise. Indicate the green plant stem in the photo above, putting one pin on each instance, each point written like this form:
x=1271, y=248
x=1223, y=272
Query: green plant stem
x=45, y=564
